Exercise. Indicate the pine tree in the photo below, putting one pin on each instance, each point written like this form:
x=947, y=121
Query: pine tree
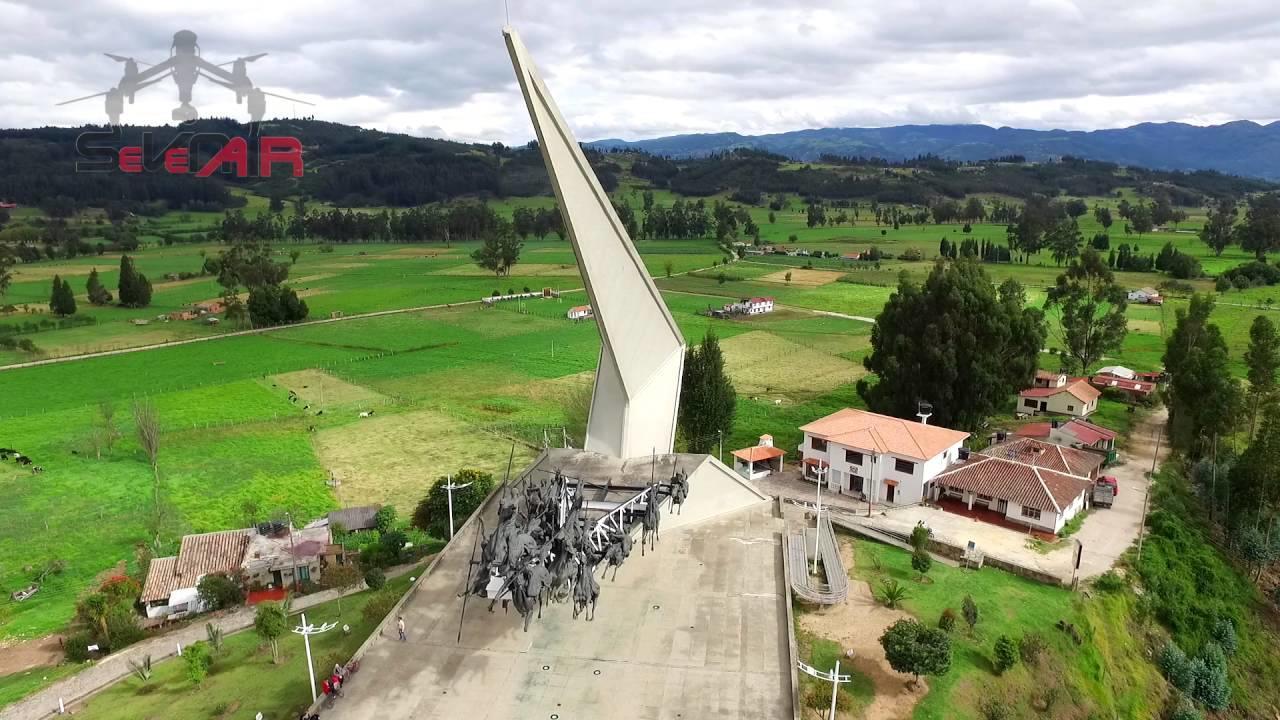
x=62, y=301
x=134, y=289
x=707, y=397
x=98, y=294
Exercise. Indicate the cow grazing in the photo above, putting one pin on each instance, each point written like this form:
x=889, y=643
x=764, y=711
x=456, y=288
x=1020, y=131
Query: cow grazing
x=366, y=413
x=23, y=460
x=37, y=469
x=319, y=412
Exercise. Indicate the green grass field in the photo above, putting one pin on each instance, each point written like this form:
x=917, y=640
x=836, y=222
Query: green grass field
x=1106, y=676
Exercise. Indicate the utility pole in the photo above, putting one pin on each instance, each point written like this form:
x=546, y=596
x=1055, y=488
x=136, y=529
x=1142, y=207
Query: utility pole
x=1142, y=525
x=449, y=488
x=720, y=433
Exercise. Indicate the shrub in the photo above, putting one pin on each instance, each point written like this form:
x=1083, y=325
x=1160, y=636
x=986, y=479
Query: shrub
x=921, y=562
x=1031, y=647
x=1224, y=634
x=1210, y=672
x=198, y=660
x=375, y=578
x=892, y=593
x=913, y=648
x=1185, y=710
x=385, y=519
x=1006, y=654
x=1222, y=284
x=380, y=603
x=911, y=255
x=970, y=610
x=141, y=670
x=76, y=646
x=1109, y=582
x=219, y=591
x=993, y=708
x=947, y=622
x=1176, y=667
x=215, y=636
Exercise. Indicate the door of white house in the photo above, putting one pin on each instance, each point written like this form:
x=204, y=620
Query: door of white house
x=1002, y=507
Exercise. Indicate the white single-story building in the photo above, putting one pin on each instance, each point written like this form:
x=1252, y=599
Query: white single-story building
x=1077, y=399
x=758, y=305
x=877, y=457
x=759, y=461
x=1146, y=295
x=579, y=312
x=1119, y=371
x=1025, y=481
x=1072, y=433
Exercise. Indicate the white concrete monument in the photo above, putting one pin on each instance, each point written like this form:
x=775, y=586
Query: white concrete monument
x=637, y=390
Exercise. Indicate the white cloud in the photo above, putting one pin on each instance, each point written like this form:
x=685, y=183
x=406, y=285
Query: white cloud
x=622, y=69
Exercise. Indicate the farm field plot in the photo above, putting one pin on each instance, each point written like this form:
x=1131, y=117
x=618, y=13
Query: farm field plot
x=395, y=458
x=763, y=363
x=321, y=390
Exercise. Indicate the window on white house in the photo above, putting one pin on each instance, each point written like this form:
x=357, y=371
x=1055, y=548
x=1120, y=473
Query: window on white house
x=904, y=466
x=1071, y=408
x=1030, y=512
x=818, y=444
x=1029, y=403
x=853, y=457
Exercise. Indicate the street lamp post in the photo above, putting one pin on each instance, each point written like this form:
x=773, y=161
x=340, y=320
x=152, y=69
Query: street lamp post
x=720, y=436
x=817, y=526
x=834, y=677
x=449, y=488
x=306, y=631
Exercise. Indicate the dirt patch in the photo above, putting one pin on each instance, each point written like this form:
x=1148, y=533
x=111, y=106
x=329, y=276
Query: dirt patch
x=402, y=253
x=857, y=624
x=395, y=458
x=343, y=265
x=321, y=390
x=761, y=362
x=804, y=278
x=40, y=652
x=166, y=284
x=31, y=273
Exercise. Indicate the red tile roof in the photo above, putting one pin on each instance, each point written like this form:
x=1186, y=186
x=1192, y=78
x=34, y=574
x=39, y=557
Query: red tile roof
x=161, y=582
x=1087, y=432
x=580, y=308
x=1016, y=482
x=1138, y=386
x=1030, y=451
x=1033, y=430
x=872, y=432
x=1046, y=375
x=758, y=453
x=1078, y=389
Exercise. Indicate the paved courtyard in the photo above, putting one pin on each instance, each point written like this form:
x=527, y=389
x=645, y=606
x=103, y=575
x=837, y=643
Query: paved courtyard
x=695, y=629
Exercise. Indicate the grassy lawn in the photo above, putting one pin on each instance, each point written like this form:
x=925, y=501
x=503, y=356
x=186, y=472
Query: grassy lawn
x=1106, y=676
x=19, y=685
x=243, y=680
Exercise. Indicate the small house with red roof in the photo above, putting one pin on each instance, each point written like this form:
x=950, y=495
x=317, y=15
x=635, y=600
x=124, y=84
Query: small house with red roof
x=758, y=305
x=1135, y=389
x=1075, y=398
x=579, y=312
x=760, y=460
x=1075, y=433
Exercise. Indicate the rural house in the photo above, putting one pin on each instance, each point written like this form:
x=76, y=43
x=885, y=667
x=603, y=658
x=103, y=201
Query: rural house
x=1146, y=296
x=759, y=461
x=579, y=312
x=877, y=457
x=1075, y=398
x=1023, y=482
x=276, y=551
x=1072, y=433
x=1046, y=379
x=1119, y=371
x=170, y=587
x=1135, y=389
x=210, y=307
x=758, y=305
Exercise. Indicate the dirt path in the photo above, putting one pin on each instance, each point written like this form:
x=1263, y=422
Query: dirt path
x=38, y=652
x=857, y=625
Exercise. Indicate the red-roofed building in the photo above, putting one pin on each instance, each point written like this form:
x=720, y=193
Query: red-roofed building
x=579, y=312
x=758, y=305
x=1136, y=389
x=1075, y=398
x=756, y=462
x=1023, y=481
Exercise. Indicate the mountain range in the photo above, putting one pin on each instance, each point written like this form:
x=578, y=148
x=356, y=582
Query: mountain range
x=1239, y=148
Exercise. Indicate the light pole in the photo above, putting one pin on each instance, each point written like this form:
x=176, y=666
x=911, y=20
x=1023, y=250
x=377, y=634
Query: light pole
x=720, y=436
x=449, y=488
x=306, y=631
x=834, y=677
x=817, y=526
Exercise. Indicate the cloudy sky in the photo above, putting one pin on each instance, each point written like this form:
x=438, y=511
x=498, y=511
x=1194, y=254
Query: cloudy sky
x=632, y=69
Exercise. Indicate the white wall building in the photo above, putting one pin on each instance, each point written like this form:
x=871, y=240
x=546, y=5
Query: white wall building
x=878, y=457
x=579, y=312
x=759, y=305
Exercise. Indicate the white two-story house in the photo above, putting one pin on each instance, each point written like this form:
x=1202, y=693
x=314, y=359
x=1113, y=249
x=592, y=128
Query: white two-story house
x=878, y=457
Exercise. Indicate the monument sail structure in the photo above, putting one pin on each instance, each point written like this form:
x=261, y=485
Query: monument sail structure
x=637, y=388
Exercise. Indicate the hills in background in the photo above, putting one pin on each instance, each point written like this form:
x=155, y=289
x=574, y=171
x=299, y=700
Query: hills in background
x=1240, y=148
